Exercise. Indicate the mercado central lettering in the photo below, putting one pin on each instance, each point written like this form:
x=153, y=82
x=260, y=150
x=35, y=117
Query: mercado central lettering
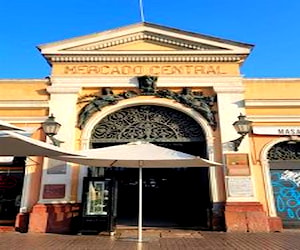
x=107, y=69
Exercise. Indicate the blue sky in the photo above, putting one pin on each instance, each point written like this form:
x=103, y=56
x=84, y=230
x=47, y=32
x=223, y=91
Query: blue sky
x=273, y=26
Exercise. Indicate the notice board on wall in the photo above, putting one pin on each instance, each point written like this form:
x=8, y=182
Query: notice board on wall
x=237, y=165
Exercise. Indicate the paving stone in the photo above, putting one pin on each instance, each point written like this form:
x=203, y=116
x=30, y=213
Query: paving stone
x=155, y=240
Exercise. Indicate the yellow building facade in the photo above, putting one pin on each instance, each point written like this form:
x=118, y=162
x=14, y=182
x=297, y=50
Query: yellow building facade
x=170, y=87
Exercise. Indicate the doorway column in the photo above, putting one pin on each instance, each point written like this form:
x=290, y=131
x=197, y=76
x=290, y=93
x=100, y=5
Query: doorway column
x=57, y=196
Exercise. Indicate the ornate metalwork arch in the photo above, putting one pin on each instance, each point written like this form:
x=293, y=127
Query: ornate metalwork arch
x=147, y=122
x=192, y=99
x=284, y=151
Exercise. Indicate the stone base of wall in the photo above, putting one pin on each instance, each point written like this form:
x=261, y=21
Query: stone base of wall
x=249, y=217
x=54, y=218
x=275, y=224
x=217, y=218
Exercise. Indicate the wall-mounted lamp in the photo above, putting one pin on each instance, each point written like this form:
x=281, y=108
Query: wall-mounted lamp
x=50, y=128
x=242, y=127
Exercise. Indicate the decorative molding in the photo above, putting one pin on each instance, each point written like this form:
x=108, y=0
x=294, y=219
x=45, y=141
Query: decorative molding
x=144, y=57
x=13, y=80
x=229, y=89
x=163, y=81
x=273, y=103
x=274, y=118
x=147, y=36
x=63, y=89
x=192, y=99
x=24, y=119
x=272, y=79
x=26, y=104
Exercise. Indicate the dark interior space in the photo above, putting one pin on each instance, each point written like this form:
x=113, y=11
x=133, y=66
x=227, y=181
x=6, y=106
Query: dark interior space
x=172, y=197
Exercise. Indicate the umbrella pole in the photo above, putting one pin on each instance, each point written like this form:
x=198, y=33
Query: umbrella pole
x=140, y=223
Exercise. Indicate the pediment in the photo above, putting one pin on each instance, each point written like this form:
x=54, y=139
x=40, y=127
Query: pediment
x=146, y=39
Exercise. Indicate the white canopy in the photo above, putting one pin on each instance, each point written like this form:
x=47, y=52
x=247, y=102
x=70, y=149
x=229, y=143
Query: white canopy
x=138, y=155
x=7, y=126
x=132, y=155
x=14, y=144
x=135, y=155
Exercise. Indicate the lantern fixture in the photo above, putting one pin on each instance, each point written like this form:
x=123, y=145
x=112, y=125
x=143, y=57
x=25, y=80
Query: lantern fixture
x=51, y=128
x=242, y=127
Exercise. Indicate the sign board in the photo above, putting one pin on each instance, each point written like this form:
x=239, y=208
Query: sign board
x=239, y=187
x=54, y=191
x=237, y=165
x=139, y=69
x=277, y=130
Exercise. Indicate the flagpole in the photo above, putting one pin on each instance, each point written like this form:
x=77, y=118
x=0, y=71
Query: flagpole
x=142, y=11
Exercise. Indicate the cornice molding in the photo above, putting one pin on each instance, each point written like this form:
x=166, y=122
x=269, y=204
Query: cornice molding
x=144, y=57
x=274, y=118
x=129, y=81
x=273, y=103
x=229, y=89
x=24, y=119
x=26, y=104
x=63, y=89
x=148, y=36
x=14, y=80
x=282, y=79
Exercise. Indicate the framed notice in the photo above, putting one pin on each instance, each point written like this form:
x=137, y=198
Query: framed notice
x=239, y=187
x=54, y=191
x=237, y=164
x=56, y=167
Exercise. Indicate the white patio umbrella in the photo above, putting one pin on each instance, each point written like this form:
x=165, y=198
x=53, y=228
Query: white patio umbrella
x=14, y=144
x=138, y=155
x=7, y=126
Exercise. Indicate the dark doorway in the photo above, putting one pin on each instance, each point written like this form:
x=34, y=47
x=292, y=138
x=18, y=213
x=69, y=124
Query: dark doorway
x=11, y=184
x=172, y=197
x=284, y=162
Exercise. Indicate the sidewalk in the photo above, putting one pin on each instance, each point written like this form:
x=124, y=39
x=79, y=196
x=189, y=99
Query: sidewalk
x=153, y=239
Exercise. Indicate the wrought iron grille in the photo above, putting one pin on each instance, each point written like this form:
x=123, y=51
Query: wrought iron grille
x=148, y=123
x=285, y=151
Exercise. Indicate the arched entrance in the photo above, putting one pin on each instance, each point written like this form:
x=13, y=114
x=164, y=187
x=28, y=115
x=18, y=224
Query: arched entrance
x=284, y=163
x=172, y=197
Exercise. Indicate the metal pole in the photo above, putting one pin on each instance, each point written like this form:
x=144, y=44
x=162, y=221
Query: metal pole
x=142, y=11
x=140, y=223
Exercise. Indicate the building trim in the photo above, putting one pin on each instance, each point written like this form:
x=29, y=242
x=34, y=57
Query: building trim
x=274, y=118
x=147, y=56
x=273, y=103
x=23, y=104
x=24, y=119
x=163, y=81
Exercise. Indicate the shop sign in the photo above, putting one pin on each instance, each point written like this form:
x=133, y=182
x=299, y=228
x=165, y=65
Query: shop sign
x=277, y=130
x=118, y=70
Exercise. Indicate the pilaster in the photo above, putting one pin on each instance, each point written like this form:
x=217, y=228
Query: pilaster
x=57, y=175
